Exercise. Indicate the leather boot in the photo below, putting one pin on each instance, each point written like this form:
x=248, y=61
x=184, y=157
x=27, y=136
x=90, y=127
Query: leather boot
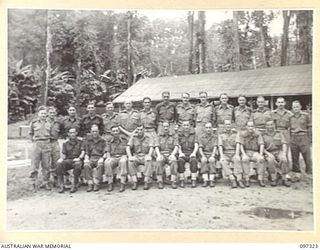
x=286, y=183
x=90, y=188
x=146, y=186
x=47, y=187
x=205, y=184
x=122, y=187
x=234, y=184
x=261, y=183
x=174, y=185
x=247, y=183
x=134, y=186
x=211, y=184
x=182, y=183
x=240, y=183
x=73, y=189
x=96, y=188
x=110, y=187
x=61, y=189
x=160, y=185
x=273, y=183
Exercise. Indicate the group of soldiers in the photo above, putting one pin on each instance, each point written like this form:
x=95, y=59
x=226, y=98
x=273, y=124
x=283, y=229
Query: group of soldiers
x=170, y=141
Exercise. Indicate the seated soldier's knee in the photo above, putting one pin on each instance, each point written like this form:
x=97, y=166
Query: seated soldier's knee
x=203, y=160
x=123, y=160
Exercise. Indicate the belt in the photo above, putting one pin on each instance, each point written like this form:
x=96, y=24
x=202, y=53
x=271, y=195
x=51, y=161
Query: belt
x=282, y=128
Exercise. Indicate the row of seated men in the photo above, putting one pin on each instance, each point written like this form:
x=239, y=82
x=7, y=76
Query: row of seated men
x=128, y=125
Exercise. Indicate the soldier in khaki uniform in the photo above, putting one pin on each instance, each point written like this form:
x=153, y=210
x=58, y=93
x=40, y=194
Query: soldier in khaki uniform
x=129, y=119
x=276, y=158
x=166, y=151
x=71, y=121
x=116, y=158
x=71, y=158
x=55, y=147
x=93, y=162
x=148, y=119
x=242, y=113
x=139, y=151
x=208, y=142
x=300, y=141
x=41, y=149
x=252, y=148
x=204, y=113
x=230, y=155
x=110, y=119
x=166, y=112
x=187, y=153
x=261, y=115
x=185, y=111
x=224, y=111
x=281, y=117
x=90, y=119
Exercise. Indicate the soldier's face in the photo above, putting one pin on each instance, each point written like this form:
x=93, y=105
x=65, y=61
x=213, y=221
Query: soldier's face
x=42, y=114
x=227, y=125
x=52, y=113
x=242, y=101
x=296, y=107
x=165, y=127
x=147, y=104
x=110, y=108
x=95, y=132
x=115, y=132
x=128, y=105
x=280, y=103
x=72, y=133
x=270, y=125
x=250, y=126
x=208, y=128
x=91, y=109
x=260, y=103
x=140, y=131
x=185, y=98
x=72, y=111
x=203, y=98
x=186, y=126
x=166, y=97
x=224, y=99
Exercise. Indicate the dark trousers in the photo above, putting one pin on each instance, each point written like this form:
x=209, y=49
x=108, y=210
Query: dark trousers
x=193, y=164
x=300, y=144
x=66, y=165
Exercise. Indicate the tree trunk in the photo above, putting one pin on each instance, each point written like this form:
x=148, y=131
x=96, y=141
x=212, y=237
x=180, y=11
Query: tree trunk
x=190, y=29
x=129, y=48
x=48, y=52
x=236, y=42
x=285, y=37
x=262, y=35
x=196, y=48
x=202, y=45
x=304, y=46
x=78, y=84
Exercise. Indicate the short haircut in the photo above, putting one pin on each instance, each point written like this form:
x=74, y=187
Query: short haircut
x=94, y=126
x=280, y=98
x=114, y=126
x=91, y=104
x=227, y=121
x=73, y=128
x=146, y=98
x=165, y=92
x=208, y=123
x=296, y=102
x=51, y=108
x=223, y=94
x=241, y=95
x=186, y=94
x=203, y=92
x=42, y=108
x=109, y=103
x=260, y=97
x=71, y=106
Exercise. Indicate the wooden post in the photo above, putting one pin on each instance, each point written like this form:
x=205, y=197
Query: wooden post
x=271, y=103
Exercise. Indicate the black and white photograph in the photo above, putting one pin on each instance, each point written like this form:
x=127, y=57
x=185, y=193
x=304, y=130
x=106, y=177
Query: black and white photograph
x=140, y=119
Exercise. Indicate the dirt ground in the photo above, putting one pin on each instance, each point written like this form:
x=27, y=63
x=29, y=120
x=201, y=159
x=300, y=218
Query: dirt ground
x=219, y=208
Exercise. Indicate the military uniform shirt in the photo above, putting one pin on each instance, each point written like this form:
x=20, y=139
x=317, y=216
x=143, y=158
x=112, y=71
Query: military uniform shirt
x=273, y=141
x=166, y=112
x=228, y=141
x=68, y=123
x=224, y=113
x=87, y=123
x=95, y=147
x=40, y=130
x=250, y=141
x=205, y=113
x=208, y=142
x=167, y=142
x=55, y=128
x=187, y=141
x=148, y=119
x=282, y=120
x=185, y=113
x=129, y=120
x=260, y=117
x=140, y=145
x=72, y=148
x=242, y=116
x=116, y=146
x=300, y=123
x=109, y=121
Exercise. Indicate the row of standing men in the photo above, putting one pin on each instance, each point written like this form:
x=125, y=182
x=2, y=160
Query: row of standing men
x=293, y=129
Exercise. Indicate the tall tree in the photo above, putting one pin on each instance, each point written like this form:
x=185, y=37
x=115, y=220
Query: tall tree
x=190, y=34
x=48, y=53
x=304, y=45
x=129, y=50
x=236, y=42
x=285, y=36
x=202, y=45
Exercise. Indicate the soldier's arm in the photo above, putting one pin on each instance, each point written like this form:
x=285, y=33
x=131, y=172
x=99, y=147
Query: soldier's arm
x=221, y=151
x=261, y=143
x=127, y=133
x=150, y=152
x=215, y=148
x=309, y=124
x=195, y=149
x=201, y=152
x=129, y=146
x=157, y=151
